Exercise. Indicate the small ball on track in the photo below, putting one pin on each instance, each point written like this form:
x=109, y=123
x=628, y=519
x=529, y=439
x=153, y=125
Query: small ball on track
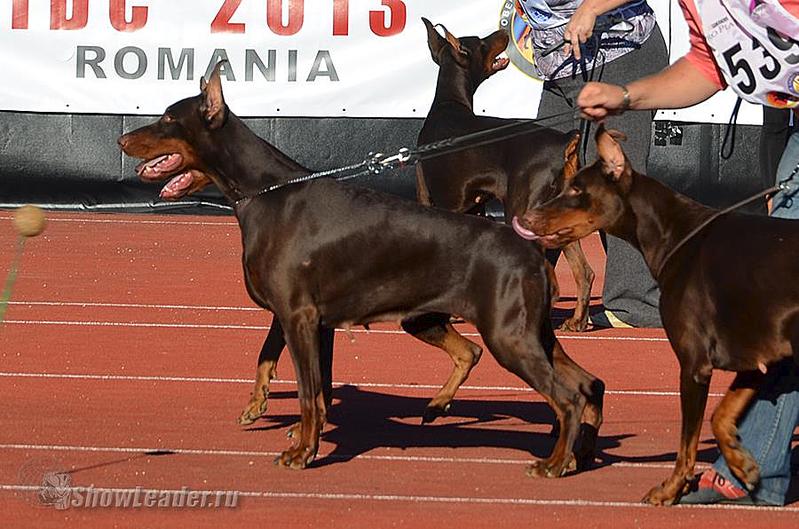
x=29, y=221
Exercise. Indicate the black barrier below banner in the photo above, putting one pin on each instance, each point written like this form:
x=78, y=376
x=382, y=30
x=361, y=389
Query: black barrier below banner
x=73, y=162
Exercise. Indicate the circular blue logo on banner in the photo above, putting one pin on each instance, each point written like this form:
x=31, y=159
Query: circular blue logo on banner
x=520, y=50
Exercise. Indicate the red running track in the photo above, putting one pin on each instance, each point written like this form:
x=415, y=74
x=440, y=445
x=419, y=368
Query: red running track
x=128, y=352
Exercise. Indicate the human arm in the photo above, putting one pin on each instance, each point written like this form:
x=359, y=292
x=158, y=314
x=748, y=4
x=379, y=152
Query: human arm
x=680, y=85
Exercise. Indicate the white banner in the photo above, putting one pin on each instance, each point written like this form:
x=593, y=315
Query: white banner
x=320, y=58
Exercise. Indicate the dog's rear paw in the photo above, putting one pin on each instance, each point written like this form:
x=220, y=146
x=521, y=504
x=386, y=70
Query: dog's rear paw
x=659, y=496
x=254, y=411
x=296, y=458
x=574, y=325
x=431, y=413
x=549, y=469
x=747, y=471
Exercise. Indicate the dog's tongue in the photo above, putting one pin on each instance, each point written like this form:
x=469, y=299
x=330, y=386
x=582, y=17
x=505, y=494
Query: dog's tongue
x=176, y=187
x=153, y=169
x=523, y=232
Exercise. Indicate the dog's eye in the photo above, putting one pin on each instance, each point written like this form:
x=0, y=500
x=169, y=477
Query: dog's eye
x=575, y=191
x=166, y=118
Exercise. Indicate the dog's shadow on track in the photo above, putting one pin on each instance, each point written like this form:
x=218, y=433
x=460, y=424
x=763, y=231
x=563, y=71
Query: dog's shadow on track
x=361, y=421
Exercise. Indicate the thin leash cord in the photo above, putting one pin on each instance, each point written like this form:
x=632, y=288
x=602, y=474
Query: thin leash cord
x=376, y=163
x=729, y=134
x=485, y=137
x=783, y=185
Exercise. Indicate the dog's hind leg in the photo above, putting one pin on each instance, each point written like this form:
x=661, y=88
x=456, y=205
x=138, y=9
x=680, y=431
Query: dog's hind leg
x=527, y=354
x=264, y=373
x=725, y=427
x=594, y=391
x=584, y=279
x=436, y=329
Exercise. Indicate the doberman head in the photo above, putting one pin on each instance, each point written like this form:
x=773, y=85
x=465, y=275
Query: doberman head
x=471, y=60
x=172, y=145
x=189, y=147
x=593, y=199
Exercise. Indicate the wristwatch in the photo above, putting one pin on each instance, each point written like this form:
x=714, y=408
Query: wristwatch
x=625, y=102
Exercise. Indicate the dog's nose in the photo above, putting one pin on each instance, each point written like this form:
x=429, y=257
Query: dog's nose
x=122, y=141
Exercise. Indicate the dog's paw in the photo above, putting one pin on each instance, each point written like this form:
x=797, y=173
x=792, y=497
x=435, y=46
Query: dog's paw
x=255, y=409
x=548, y=469
x=659, y=496
x=431, y=413
x=296, y=458
x=747, y=470
x=574, y=325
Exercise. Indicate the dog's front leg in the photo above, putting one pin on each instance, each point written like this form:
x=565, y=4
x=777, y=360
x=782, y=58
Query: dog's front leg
x=694, y=386
x=302, y=335
x=264, y=373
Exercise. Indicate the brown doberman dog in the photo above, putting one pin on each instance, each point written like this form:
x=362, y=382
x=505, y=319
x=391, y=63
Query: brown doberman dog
x=414, y=264
x=521, y=172
x=728, y=295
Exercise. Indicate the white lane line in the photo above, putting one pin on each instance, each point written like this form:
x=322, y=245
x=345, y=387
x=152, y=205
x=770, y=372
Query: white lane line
x=400, y=498
x=220, y=380
x=86, y=304
x=228, y=224
x=266, y=327
x=251, y=453
x=138, y=325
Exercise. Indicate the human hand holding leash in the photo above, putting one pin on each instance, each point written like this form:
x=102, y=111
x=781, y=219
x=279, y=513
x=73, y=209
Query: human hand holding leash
x=579, y=29
x=600, y=100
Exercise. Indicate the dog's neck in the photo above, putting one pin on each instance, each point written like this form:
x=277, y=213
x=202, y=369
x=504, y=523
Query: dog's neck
x=657, y=220
x=251, y=164
x=454, y=86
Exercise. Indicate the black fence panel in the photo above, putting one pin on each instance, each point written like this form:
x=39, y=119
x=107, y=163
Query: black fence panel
x=73, y=162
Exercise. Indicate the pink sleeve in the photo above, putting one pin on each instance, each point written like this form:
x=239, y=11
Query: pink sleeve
x=700, y=54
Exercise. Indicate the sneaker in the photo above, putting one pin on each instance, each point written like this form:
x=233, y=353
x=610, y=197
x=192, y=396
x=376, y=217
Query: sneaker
x=606, y=319
x=712, y=487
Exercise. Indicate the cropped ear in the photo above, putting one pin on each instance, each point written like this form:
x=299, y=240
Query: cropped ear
x=213, y=107
x=571, y=157
x=610, y=152
x=452, y=39
x=437, y=43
